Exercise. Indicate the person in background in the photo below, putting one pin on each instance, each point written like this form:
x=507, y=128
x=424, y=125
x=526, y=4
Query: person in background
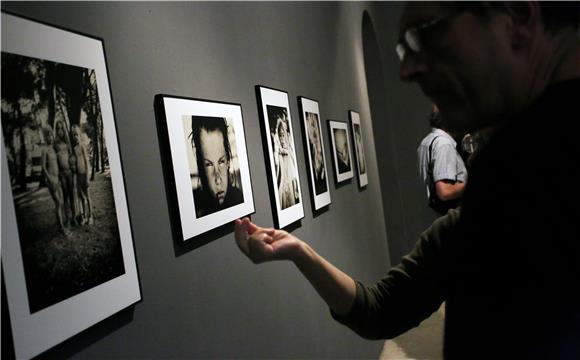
x=441, y=167
x=507, y=262
x=63, y=151
x=50, y=170
x=83, y=176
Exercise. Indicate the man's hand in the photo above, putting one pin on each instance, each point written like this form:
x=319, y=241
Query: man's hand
x=265, y=244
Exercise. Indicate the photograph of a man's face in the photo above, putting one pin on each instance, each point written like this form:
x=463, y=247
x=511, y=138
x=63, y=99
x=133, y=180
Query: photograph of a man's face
x=342, y=153
x=316, y=155
x=343, y=163
x=360, y=153
x=213, y=163
x=283, y=155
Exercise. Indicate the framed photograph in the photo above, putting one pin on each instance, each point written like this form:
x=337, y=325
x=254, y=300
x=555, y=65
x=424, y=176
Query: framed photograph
x=67, y=245
x=209, y=170
x=359, y=149
x=280, y=151
x=315, y=158
x=343, y=167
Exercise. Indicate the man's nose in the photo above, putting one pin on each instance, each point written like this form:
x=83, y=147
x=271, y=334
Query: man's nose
x=217, y=176
x=412, y=67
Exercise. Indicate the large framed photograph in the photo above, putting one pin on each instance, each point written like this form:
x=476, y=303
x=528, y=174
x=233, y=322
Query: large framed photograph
x=208, y=167
x=315, y=158
x=67, y=248
x=359, y=148
x=341, y=154
x=280, y=153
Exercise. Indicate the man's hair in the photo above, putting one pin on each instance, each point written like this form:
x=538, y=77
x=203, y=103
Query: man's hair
x=209, y=124
x=555, y=14
x=47, y=130
x=435, y=120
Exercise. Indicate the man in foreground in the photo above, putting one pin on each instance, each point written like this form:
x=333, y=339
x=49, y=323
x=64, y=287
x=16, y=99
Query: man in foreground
x=508, y=262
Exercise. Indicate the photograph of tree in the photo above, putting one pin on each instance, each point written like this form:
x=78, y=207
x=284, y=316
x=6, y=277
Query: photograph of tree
x=60, y=178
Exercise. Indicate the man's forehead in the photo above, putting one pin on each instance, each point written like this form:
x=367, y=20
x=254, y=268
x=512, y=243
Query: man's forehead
x=418, y=12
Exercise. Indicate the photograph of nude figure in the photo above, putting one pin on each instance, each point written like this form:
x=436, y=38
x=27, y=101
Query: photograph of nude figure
x=60, y=178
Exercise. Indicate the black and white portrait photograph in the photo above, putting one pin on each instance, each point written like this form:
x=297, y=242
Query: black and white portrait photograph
x=213, y=164
x=315, y=152
x=63, y=179
x=284, y=157
x=207, y=163
x=359, y=148
x=281, y=150
x=341, y=150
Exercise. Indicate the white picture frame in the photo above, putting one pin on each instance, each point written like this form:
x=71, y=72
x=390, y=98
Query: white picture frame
x=197, y=208
x=315, y=155
x=45, y=307
x=280, y=154
x=358, y=144
x=341, y=153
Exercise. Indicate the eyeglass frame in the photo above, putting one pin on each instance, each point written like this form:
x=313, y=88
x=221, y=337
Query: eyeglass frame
x=411, y=38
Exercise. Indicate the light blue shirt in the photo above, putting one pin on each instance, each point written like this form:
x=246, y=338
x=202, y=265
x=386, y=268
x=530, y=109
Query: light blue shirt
x=447, y=163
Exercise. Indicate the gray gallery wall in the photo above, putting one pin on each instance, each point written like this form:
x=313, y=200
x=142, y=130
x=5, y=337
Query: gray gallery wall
x=210, y=301
x=399, y=111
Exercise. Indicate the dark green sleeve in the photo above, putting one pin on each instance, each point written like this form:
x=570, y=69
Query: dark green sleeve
x=409, y=293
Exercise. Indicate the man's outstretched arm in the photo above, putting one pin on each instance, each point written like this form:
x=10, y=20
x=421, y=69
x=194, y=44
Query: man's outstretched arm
x=259, y=244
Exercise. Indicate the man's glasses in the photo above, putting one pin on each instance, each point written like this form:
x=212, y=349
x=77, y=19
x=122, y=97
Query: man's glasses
x=412, y=38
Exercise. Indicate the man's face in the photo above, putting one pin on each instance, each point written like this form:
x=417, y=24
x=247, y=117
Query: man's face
x=60, y=132
x=314, y=136
x=341, y=147
x=76, y=135
x=215, y=163
x=49, y=137
x=283, y=134
x=465, y=65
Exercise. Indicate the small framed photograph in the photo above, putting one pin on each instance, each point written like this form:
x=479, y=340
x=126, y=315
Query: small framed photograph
x=315, y=158
x=280, y=151
x=208, y=171
x=343, y=167
x=359, y=148
x=67, y=247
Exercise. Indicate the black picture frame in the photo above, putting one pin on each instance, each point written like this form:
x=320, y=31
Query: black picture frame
x=203, y=198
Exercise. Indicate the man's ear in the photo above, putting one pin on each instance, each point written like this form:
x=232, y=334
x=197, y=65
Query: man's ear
x=524, y=17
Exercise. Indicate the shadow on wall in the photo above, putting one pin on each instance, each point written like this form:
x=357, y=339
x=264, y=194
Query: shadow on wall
x=396, y=228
